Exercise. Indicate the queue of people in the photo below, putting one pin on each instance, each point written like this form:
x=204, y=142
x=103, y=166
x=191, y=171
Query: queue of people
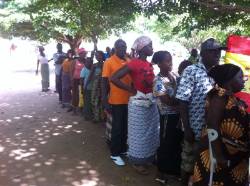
x=190, y=125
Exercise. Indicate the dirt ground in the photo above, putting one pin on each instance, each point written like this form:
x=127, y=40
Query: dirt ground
x=43, y=145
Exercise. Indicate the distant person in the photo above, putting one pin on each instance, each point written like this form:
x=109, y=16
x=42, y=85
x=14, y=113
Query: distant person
x=95, y=79
x=226, y=135
x=43, y=60
x=171, y=135
x=194, y=56
x=12, y=48
x=112, y=52
x=66, y=79
x=58, y=58
x=76, y=68
x=115, y=101
x=107, y=54
x=87, y=89
x=143, y=116
x=183, y=65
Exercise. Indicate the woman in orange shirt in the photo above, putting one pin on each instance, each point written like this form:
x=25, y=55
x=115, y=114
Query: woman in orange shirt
x=66, y=79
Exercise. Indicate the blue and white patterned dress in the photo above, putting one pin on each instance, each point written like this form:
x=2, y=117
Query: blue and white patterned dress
x=193, y=88
x=143, y=130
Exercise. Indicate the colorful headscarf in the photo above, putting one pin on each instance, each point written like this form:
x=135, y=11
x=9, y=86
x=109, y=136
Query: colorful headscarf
x=141, y=42
x=81, y=50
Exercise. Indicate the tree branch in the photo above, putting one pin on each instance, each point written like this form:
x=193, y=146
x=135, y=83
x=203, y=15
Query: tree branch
x=219, y=6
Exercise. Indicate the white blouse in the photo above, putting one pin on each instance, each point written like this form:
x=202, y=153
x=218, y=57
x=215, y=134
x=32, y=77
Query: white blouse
x=42, y=60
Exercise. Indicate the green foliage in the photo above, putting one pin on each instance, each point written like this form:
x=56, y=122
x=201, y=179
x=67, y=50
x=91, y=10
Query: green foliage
x=201, y=14
x=167, y=31
x=72, y=20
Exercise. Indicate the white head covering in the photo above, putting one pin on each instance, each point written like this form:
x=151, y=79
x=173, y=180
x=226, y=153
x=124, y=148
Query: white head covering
x=141, y=42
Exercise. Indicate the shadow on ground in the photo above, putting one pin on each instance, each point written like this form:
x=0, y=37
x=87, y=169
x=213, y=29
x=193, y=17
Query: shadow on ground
x=43, y=145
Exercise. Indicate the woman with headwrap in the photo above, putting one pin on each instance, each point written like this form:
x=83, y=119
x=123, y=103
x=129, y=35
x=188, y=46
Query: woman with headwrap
x=76, y=68
x=224, y=152
x=43, y=60
x=143, y=116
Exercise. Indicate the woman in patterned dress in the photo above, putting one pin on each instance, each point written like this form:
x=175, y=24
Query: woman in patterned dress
x=171, y=135
x=143, y=116
x=95, y=78
x=227, y=126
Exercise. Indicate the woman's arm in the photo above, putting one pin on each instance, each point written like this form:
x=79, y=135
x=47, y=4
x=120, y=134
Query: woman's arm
x=37, y=66
x=116, y=79
x=214, y=118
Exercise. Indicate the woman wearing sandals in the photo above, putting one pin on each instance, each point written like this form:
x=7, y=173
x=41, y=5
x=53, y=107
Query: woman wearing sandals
x=169, y=152
x=143, y=116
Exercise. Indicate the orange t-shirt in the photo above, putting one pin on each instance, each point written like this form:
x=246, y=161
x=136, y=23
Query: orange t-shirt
x=116, y=95
x=66, y=66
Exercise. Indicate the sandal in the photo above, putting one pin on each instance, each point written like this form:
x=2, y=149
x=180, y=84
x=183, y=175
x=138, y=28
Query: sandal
x=161, y=178
x=141, y=169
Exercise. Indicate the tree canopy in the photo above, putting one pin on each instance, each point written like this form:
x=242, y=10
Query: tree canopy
x=201, y=14
x=167, y=32
x=73, y=20
x=67, y=21
x=190, y=22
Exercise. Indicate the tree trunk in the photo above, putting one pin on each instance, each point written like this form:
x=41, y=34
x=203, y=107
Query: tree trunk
x=95, y=46
x=74, y=42
x=95, y=41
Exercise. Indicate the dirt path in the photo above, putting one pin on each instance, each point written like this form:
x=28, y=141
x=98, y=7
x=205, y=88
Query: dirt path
x=42, y=145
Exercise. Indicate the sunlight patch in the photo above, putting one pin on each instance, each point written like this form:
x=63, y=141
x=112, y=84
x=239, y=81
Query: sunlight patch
x=85, y=183
x=56, y=134
x=68, y=126
x=1, y=148
x=27, y=116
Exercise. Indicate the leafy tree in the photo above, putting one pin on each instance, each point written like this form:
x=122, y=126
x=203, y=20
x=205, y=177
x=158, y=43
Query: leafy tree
x=201, y=14
x=68, y=21
x=167, y=31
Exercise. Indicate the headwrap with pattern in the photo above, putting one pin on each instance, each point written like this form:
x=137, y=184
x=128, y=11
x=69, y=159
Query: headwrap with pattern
x=141, y=42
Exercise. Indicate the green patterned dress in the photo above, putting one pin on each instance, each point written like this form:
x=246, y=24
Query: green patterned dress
x=96, y=94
